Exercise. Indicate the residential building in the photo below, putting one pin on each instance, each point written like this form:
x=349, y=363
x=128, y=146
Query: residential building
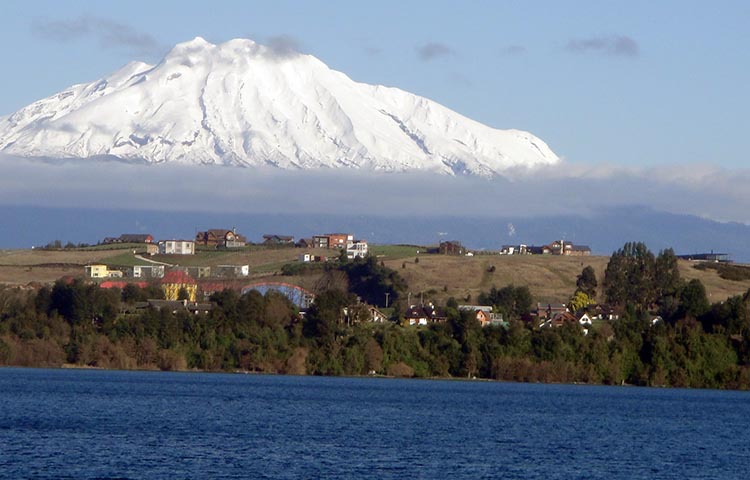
x=220, y=238
x=197, y=272
x=514, y=250
x=357, y=249
x=333, y=240
x=146, y=271
x=561, y=247
x=278, y=240
x=130, y=238
x=177, y=247
x=424, y=314
x=176, y=281
x=101, y=271
x=484, y=315
x=707, y=257
x=305, y=243
x=231, y=271
x=451, y=247
x=320, y=241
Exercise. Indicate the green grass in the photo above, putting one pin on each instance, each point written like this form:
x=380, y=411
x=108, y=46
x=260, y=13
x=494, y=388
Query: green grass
x=268, y=267
x=200, y=259
x=396, y=251
x=138, y=247
x=122, y=260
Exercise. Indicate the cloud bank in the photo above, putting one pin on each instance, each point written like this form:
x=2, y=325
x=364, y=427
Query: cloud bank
x=434, y=50
x=110, y=34
x=613, y=45
x=703, y=191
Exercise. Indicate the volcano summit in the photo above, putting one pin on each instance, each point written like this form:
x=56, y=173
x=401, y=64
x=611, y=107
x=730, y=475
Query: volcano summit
x=241, y=103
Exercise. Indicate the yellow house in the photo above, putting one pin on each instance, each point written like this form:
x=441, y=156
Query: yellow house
x=101, y=271
x=177, y=280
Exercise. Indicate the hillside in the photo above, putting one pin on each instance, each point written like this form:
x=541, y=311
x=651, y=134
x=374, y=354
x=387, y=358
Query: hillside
x=437, y=277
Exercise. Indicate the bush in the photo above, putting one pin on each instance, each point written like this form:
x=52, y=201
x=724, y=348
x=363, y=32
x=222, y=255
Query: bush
x=400, y=369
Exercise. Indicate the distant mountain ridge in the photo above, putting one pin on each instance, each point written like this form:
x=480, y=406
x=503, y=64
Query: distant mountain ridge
x=241, y=103
x=604, y=232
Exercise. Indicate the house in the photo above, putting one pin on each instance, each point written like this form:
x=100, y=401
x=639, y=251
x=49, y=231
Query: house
x=545, y=311
x=177, y=247
x=146, y=271
x=357, y=249
x=561, y=247
x=320, y=241
x=362, y=312
x=424, y=314
x=231, y=271
x=176, y=281
x=304, y=243
x=197, y=272
x=333, y=240
x=376, y=316
x=101, y=271
x=603, y=312
x=130, y=238
x=484, y=315
x=560, y=319
x=585, y=319
x=706, y=257
x=451, y=247
x=514, y=250
x=220, y=238
x=278, y=240
x=152, y=249
x=309, y=258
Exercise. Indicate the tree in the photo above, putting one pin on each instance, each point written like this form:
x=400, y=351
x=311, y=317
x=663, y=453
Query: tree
x=511, y=300
x=693, y=299
x=371, y=281
x=586, y=281
x=579, y=300
x=667, y=276
x=630, y=277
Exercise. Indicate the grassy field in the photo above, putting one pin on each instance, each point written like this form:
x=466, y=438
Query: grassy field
x=435, y=277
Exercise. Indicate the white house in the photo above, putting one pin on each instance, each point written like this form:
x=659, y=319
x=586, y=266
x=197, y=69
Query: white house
x=231, y=271
x=148, y=271
x=356, y=249
x=177, y=247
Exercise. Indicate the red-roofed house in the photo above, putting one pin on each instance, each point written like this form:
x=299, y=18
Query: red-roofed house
x=176, y=280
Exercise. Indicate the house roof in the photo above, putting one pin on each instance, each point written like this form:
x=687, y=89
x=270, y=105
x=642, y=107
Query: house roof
x=424, y=311
x=136, y=238
x=178, y=277
x=280, y=237
x=121, y=284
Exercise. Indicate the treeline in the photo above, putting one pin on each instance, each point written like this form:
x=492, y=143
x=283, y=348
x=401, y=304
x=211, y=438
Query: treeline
x=696, y=344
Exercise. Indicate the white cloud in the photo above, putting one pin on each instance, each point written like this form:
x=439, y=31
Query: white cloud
x=701, y=190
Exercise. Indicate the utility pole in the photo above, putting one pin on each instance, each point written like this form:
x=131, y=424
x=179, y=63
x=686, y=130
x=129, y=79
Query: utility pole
x=387, y=294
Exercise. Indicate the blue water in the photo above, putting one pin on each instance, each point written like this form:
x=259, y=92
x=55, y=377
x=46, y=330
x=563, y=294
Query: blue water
x=100, y=424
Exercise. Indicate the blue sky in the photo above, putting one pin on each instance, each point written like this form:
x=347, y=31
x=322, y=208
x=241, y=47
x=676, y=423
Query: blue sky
x=633, y=83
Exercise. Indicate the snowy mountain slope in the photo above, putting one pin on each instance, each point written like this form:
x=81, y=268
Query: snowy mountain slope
x=238, y=103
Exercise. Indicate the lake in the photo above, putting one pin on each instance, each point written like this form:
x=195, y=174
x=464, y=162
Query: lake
x=88, y=424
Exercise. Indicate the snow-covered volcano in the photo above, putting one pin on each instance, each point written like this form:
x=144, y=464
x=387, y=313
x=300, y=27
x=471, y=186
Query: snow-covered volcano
x=240, y=103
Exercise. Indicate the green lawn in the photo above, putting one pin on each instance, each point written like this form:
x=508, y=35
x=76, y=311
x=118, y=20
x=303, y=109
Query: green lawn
x=396, y=251
x=122, y=260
